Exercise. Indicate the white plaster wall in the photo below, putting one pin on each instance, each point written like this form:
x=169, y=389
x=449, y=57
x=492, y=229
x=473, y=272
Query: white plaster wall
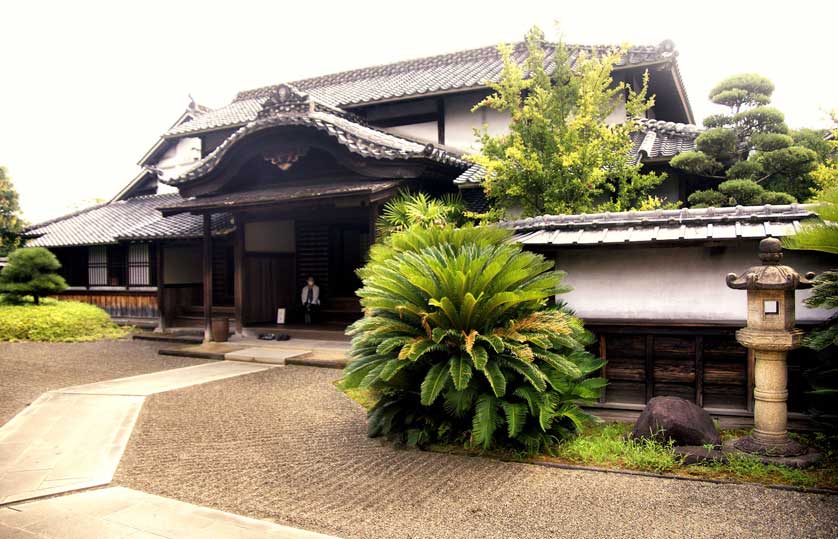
x=427, y=131
x=460, y=122
x=182, y=265
x=670, y=283
x=269, y=237
x=184, y=153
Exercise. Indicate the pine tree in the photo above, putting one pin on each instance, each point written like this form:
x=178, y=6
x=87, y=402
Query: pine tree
x=31, y=271
x=751, y=147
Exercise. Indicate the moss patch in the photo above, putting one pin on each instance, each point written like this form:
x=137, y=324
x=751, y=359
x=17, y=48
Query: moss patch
x=56, y=321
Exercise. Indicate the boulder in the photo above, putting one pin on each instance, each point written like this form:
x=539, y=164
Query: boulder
x=674, y=418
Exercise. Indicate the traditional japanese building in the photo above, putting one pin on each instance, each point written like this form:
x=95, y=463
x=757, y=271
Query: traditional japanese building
x=236, y=206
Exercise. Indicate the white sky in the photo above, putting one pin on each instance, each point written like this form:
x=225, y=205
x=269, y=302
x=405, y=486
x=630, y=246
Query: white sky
x=87, y=87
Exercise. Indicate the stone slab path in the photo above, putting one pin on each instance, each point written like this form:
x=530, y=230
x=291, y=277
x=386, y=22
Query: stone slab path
x=119, y=512
x=73, y=438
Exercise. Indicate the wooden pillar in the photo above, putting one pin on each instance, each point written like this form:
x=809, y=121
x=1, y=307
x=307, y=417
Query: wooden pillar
x=161, y=295
x=699, y=370
x=207, y=277
x=373, y=220
x=238, y=273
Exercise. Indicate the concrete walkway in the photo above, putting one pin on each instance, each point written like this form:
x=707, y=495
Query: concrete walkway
x=73, y=438
x=122, y=512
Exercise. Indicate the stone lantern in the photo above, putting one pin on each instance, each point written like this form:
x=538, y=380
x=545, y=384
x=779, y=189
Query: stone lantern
x=770, y=333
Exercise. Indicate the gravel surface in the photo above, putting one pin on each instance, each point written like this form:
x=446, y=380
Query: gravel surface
x=29, y=369
x=285, y=445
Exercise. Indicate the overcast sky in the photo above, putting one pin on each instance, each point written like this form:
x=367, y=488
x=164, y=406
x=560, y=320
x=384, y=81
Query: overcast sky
x=87, y=87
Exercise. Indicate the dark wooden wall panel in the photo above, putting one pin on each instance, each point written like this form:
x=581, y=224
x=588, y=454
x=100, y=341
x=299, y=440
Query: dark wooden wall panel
x=704, y=365
x=313, y=254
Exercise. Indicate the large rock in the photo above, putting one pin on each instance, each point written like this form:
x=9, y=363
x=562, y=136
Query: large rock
x=678, y=419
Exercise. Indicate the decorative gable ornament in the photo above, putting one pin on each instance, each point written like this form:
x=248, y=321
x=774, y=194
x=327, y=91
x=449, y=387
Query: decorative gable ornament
x=284, y=99
x=284, y=160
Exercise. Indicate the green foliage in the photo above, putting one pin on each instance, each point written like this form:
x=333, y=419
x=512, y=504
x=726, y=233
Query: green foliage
x=56, y=321
x=458, y=341
x=736, y=193
x=719, y=143
x=747, y=89
x=31, y=271
x=825, y=175
x=698, y=163
x=560, y=155
x=408, y=209
x=610, y=445
x=752, y=142
x=11, y=224
x=821, y=234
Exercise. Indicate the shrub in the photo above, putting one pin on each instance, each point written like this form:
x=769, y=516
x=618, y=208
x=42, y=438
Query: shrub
x=56, y=321
x=31, y=271
x=459, y=343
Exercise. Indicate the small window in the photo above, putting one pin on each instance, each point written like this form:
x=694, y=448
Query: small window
x=770, y=307
x=139, y=265
x=97, y=266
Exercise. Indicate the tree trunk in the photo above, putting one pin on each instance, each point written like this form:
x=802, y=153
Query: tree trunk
x=37, y=299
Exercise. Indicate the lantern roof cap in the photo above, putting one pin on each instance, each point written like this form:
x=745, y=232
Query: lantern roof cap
x=770, y=275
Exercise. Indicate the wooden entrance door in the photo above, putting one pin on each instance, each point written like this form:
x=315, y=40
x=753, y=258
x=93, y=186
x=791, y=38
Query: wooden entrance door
x=268, y=285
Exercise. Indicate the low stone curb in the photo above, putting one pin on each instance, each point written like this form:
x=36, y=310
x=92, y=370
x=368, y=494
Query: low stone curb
x=805, y=490
x=322, y=363
x=190, y=353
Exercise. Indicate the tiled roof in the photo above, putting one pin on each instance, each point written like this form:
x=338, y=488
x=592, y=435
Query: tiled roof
x=294, y=108
x=281, y=194
x=702, y=224
x=443, y=73
x=133, y=218
x=656, y=139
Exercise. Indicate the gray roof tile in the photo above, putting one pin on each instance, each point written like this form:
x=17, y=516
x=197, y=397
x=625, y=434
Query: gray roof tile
x=134, y=218
x=700, y=224
x=442, y=73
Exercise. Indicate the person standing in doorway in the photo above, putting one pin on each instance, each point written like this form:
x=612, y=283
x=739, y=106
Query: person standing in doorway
x=311, y=299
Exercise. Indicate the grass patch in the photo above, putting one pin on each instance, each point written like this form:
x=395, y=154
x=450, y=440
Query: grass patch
x=607, y=445
x=56, y=321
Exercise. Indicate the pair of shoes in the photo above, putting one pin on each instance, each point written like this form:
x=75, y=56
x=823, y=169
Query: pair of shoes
x=282, y=336
x=267, y=337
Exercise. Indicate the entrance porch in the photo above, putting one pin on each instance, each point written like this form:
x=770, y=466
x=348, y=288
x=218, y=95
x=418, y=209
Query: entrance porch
x=261, y=267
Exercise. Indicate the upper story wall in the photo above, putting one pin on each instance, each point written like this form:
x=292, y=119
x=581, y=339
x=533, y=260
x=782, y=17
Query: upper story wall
x=450, y=119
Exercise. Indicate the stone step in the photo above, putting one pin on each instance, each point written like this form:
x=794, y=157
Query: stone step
x=273, y=355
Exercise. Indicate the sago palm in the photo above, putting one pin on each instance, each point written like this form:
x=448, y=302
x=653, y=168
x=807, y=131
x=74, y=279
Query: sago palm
x=408, y=209
x=460, y=342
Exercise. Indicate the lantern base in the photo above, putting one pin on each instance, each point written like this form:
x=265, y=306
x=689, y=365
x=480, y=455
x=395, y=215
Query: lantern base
x=786, y=448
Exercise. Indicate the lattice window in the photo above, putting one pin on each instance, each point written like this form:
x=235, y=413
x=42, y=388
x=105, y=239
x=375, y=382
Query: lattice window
x=139, y=265
x=97, y=266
